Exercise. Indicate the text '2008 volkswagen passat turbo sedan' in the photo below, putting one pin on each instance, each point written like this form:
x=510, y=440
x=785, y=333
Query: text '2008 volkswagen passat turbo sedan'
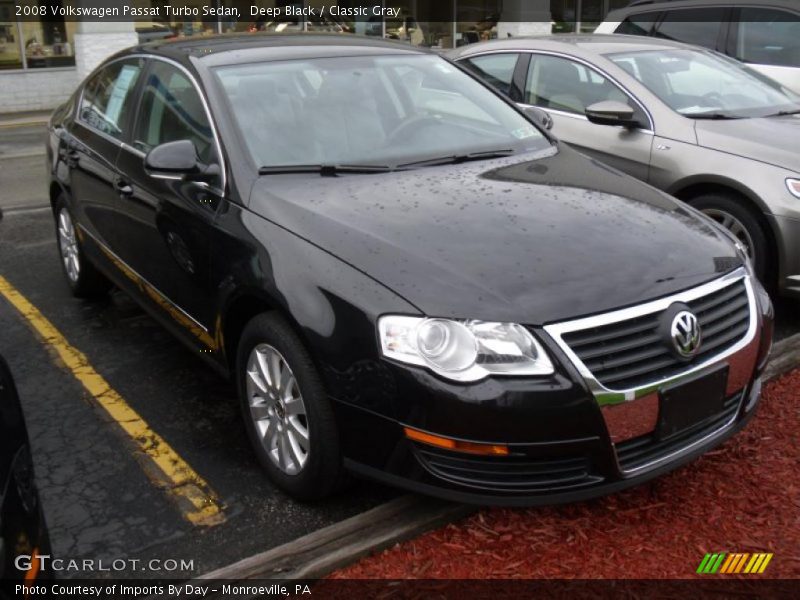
x=404, y=275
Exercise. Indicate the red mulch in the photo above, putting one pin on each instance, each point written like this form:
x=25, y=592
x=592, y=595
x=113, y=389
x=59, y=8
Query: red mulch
x=742, y=497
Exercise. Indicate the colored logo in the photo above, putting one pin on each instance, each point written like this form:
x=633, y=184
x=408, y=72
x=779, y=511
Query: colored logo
x=736, y=562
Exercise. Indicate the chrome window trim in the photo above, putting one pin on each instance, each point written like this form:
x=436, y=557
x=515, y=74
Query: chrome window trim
x=144, y=280
x=193, y=80
x=575, y=116
x=585, y=63
x=605, y=395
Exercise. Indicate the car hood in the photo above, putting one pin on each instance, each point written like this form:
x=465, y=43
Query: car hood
x=531, y=241
x=772, y=140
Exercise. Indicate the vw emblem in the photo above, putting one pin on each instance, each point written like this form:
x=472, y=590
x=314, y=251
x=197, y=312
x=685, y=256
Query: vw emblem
x=685, y=333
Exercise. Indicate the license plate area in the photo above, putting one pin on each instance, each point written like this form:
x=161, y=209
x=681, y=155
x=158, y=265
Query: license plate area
x=691, y=403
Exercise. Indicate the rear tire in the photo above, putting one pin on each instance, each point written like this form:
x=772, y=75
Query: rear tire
x=83, y=278
x=744, y=223
x=286, y=410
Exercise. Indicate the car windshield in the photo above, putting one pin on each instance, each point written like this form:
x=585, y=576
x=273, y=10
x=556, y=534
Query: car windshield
x=700, y=84
x=390, y=110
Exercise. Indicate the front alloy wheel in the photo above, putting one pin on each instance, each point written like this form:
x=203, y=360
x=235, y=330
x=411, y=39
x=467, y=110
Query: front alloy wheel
x=286, y=409
x=277, y=409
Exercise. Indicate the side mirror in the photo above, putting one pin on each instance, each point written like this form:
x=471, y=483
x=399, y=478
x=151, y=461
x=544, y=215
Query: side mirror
x=172, y=159
x=542, y=117
x=611, y=112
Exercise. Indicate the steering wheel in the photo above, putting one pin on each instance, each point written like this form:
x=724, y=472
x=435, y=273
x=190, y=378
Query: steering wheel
x=404, y=128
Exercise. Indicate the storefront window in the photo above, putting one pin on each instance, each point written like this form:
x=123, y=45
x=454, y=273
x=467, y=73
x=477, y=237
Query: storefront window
x=46, y=42
x=10, y=55
x=476, y=21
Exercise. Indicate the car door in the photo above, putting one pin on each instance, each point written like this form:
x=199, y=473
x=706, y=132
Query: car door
x=89, y=148
x=169, y=221
x=769, y=41
x=565, y=87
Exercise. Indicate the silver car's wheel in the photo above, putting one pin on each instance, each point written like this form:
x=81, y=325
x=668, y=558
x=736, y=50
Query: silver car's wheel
x=68, y=244
x=277, y=409
x=735, y=226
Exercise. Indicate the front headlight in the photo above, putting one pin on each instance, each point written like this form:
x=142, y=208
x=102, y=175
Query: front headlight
x=794, y=187
x=463, y=350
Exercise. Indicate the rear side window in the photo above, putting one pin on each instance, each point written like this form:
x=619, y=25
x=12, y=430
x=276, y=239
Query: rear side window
x=638, y=24
x=768, y=37
x=107, y=97
x=699, y=26
x=171, y=110
x=495, y=69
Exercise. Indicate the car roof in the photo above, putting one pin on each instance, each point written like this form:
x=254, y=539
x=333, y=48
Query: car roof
x=576, y=44
x=640, y=6
x=254, y=47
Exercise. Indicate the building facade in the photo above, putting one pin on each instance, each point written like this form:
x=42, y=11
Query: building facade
x=42, y=59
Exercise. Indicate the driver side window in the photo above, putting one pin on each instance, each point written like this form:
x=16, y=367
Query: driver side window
x=562, y=84
x=171, y=109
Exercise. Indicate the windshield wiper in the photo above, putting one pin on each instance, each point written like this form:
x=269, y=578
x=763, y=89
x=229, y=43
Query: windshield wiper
x=712, y=116
x=786, y=113
x=457, y=158
x=325, y=170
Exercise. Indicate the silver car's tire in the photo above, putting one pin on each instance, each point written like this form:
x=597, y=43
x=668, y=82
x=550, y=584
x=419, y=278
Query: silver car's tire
x=744, y=223
x=83, y=278
x=286, y=410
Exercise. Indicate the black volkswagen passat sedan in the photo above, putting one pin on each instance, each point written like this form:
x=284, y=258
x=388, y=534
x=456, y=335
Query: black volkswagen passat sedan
x=405, y=276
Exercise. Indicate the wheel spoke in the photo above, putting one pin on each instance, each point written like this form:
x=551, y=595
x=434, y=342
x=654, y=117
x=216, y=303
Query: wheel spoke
x=259, y=410
x=257, y=379
x=263, y=368
x=298, y=454
x=284, y=452
x=270, y=434
x=294, y=406
x=286, y=388
x=298, y=431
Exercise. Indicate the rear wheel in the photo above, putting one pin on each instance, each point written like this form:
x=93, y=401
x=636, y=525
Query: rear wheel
x=286, y=411
x=83, y=278
x=741, y=221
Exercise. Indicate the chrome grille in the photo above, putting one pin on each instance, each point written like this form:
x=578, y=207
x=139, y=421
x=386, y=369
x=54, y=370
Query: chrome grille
x=630, y=353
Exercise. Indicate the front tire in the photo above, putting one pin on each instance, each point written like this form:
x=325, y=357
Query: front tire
x=741, y=221
x=286, y=410
x=84, y=280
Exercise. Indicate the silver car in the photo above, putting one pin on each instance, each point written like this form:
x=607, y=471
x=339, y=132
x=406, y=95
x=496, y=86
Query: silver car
x=694, y=123
x=765, y=34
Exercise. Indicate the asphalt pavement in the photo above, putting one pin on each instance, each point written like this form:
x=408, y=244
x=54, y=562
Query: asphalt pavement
x=98, y=501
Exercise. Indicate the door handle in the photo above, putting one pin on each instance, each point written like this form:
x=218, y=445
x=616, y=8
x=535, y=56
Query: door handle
x=123, y=187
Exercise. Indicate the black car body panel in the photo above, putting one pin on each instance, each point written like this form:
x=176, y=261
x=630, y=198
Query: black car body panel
x=415, y=235
x=22, y=527
x=531, y=239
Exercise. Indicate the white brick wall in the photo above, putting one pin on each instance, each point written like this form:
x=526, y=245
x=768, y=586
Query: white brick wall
x=94, y=47
x=35, y=89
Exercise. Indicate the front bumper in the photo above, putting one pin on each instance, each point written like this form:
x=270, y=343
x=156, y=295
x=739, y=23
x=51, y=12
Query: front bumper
x=787, y=231
x=566, y=441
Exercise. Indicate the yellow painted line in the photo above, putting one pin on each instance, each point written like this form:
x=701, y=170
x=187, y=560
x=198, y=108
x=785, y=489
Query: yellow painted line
x=195, y=499
x=764, y=564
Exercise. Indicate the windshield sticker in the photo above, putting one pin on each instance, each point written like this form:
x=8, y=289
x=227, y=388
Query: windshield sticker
x=524, y=132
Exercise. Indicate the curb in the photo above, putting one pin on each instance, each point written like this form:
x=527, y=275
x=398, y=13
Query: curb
x=317, y=554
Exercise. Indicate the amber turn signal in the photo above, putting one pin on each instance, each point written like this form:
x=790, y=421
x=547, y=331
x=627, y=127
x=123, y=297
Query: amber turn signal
x=456, y=445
